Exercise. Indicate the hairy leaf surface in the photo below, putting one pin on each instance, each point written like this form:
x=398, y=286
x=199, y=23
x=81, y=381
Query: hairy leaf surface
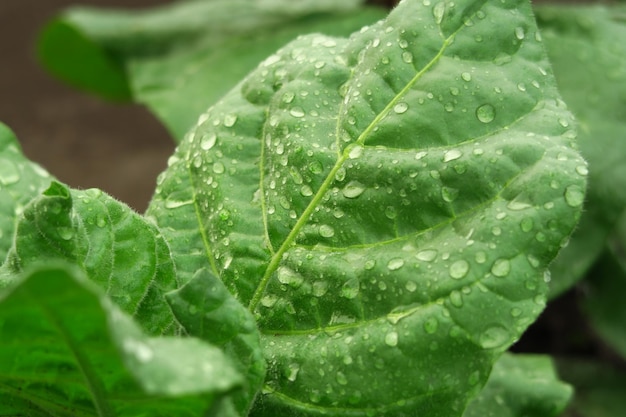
x=121, y=252
x=66, y=350
x=587, y=47
x=20, y=181
x=385, y=205
x=519, y=386
x=178, y=59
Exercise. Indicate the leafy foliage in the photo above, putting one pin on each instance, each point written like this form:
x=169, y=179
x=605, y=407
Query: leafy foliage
x=362, y=226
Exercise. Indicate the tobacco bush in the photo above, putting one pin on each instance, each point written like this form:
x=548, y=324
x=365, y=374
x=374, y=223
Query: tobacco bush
x=362, y=226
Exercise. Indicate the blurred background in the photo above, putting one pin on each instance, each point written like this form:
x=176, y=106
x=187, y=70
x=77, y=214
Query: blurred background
x=82, y=140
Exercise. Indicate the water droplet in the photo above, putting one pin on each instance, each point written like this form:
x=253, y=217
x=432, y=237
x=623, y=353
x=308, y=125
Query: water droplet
x=438, y=11
x=350, y=288
x=501, y=267
x=341, y=378
x=451, y=155
x=410, y=286
x=480, y=257
x=420, y=155
x=427, y=255
x=431, y=325
x=101, y=220
x=456, y=298
x=218, y=168
x=369, y=264
x=582, y=170
x=533, y=261
x=395, y=264
x=563, y=122
x=527, y=224
x=391, y=339
x=519, y=33
x=193, y=309
x=288, y=276
x=466, y=76
x=288, y=97
x=407, y=57
x=230, y=120
x=486, y=113
x=65, y=233
x=574, y=196
x=494, y=337
x=306, y=191
x=320, y=288
x=326, y=231
x=316, y=167
x=391, y=213
x=459, y=269
x=516, y=312
x=297, y=112
x=400, y=108
x=9, y=173
x=355, y=152
x=518, y=205
x=208, y=141
x=269, y=301
x=353, y=189
x=449, y=194
x=294, y=368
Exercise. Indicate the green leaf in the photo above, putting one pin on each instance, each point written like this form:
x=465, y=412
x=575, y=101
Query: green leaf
x=599, y=388
x=178, y=59
x=519, y=386
x=587, y=48
x=206, y=310
x=385, y=205
x=66, y=350
x=120, y=251
x=20, y=181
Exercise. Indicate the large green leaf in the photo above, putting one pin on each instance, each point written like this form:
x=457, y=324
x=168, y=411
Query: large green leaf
x=385, y=205
x=120, y=251
x=520, y=386
x=206, y=310
x=66, y=350
x=20, y=181
x=179, y=59
x=587, y=48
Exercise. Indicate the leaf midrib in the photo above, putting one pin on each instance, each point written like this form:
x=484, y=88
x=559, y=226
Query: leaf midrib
x=306, y=214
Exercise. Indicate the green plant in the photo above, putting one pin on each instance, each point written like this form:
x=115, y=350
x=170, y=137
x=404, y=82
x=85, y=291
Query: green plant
x=361, y=227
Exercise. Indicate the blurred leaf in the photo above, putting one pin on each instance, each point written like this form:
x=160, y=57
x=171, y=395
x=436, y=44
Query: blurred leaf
x=599, y=389
x=66, y=350
x=520, y=386
x=179, y=59
x=587, y=48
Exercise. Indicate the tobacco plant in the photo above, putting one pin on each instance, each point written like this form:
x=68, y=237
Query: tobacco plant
x=362, y=226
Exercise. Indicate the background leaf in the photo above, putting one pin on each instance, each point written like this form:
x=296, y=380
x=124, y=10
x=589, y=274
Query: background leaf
x=20, y=181
x=587, y=48
x=519, y=386
x=66, y=350
x=386, y=206
x=179, y=59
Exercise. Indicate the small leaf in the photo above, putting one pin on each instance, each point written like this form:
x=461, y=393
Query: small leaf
x=120, y=251
x=519, y=386
x=206, y=310
x=178, y=59
x=20, y=181
x=66, y=350
x=587, y=48
x=383, y=205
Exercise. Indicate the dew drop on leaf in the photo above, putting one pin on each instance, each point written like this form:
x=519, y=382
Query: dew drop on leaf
x=574, y=196
x=341, y=378
x=451, y=155
x=400, y=108
x=519, y=33
x=218, y=168
x=65, y=233
x=353, y=189
x=494, y=337
x=326, y=231
x=306, y=191
x=438, y=12
x=501, y=268
x=391, y=339
x=459, y=269
x=230, y=120
x=350, y=288
x=297, y=112
x=395, y=264
x=9, y=173
x=427, y=255
x=486, y=113
x=294, y=368
x=466, y=76
x=431, y=325
x=410, y=286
